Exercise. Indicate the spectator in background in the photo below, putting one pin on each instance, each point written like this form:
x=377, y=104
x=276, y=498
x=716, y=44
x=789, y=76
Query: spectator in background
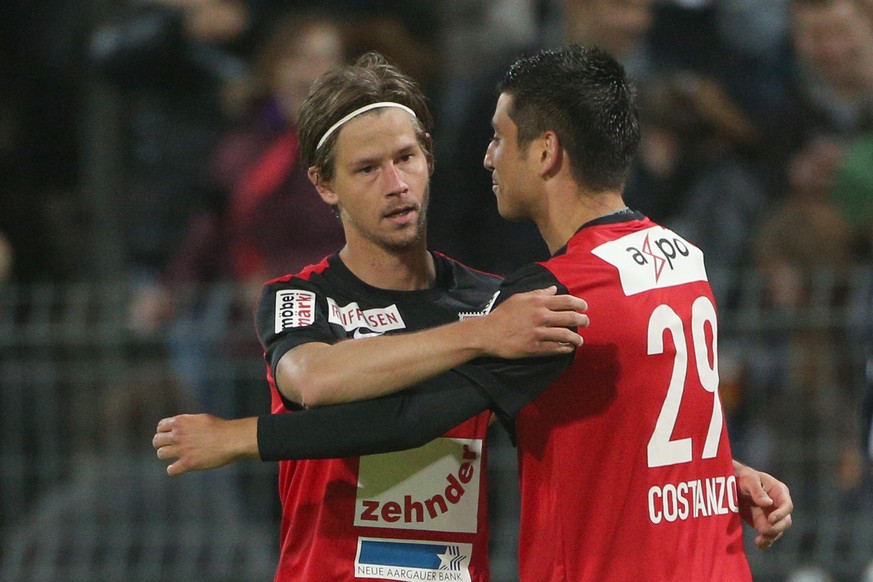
x=805, y=231
x=804, y=252
x=824, y=226
x=831, y=89
x=41, y=90
x=267, y=219
x=741, y=43
x=474, y=38
x=171, y=60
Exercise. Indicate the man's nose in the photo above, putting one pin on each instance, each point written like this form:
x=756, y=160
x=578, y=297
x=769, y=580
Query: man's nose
x=394, y=182
x=487, y=162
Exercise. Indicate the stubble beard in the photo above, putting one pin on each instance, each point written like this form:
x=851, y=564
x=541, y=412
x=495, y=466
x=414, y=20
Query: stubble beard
x=409, y=242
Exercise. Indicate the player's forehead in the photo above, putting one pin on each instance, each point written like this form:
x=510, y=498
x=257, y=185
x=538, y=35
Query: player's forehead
x=501, y=121
x=375, y=134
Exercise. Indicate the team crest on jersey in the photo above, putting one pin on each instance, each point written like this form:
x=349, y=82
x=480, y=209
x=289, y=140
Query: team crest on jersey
x=364, y=322
x=653, y=258
x=294, y=308
x=409, y=560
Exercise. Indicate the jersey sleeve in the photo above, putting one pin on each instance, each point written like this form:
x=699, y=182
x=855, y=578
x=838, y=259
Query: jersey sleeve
x=511, y=384
x=288, y=314
x=414, y=416
x=399, y=421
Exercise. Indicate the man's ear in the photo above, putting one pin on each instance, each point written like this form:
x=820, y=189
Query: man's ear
x=322, y=187
x=551, y=153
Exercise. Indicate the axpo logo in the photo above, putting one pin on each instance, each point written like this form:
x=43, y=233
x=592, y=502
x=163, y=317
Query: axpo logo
x=653, y=258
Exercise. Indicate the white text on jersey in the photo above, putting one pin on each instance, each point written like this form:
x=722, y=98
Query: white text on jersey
x=352, y=317
x=693, y=499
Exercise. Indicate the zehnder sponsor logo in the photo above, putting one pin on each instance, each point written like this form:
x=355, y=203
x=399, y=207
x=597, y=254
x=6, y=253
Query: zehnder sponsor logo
x=693, y=499
x=419, y=511
x=653, y=258
x=364, y=322
x=434, y=487
x=294, y=308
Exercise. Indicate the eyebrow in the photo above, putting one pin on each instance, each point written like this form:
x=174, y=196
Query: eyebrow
x=369, y=161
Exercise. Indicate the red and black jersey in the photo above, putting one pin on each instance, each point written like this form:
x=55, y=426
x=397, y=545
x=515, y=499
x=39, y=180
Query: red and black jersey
x=626, y=468
x=419, y=514
x=625, y=465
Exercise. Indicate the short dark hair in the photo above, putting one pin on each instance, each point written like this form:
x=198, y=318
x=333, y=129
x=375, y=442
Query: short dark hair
x=585, y=97
x=371, y=79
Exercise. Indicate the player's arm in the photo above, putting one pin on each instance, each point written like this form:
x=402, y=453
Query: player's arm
x=538, y=323
x=394, y=422
x=399, y=421
x=765, y=504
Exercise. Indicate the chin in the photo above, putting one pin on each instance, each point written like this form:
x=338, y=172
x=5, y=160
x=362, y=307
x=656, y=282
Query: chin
x=509, y=214
x=405, y=243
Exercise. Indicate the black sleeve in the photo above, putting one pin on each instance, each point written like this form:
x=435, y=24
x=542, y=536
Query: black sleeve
x=395, y=422
x=419, y=414
x=277, y=337
x=403, y=420
x=517, y=382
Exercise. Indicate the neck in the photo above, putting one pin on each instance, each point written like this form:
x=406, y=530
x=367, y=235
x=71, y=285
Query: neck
x=399, y=270
x=569, y=208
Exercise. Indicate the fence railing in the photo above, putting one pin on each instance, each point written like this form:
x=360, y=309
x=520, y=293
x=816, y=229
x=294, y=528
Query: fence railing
x=84, y=498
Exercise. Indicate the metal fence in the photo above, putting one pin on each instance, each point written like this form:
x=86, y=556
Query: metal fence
x=84, y=498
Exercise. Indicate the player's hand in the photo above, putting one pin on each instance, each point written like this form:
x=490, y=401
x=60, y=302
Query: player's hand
x=536, y=323
x=765, y=504
x=197, y=442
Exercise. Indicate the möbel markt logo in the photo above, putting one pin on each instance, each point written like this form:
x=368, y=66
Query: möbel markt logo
x=294, y=308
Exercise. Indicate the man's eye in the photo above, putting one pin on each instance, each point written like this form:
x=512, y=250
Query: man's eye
x=366, y=169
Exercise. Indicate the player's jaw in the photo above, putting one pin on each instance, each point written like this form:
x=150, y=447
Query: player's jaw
x=404, y=222
x=397, y=225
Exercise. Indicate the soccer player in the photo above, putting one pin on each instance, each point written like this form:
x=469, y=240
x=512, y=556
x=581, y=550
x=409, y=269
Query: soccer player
x=626, y=468
x=403, y=515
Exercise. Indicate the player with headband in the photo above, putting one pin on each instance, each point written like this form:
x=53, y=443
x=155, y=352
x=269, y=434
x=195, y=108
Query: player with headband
x=327, y=334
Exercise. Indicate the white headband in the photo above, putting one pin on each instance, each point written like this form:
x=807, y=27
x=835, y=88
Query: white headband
x=357, y=112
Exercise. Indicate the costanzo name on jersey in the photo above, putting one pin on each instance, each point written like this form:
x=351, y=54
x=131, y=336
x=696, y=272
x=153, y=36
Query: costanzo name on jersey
x=693, y=499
